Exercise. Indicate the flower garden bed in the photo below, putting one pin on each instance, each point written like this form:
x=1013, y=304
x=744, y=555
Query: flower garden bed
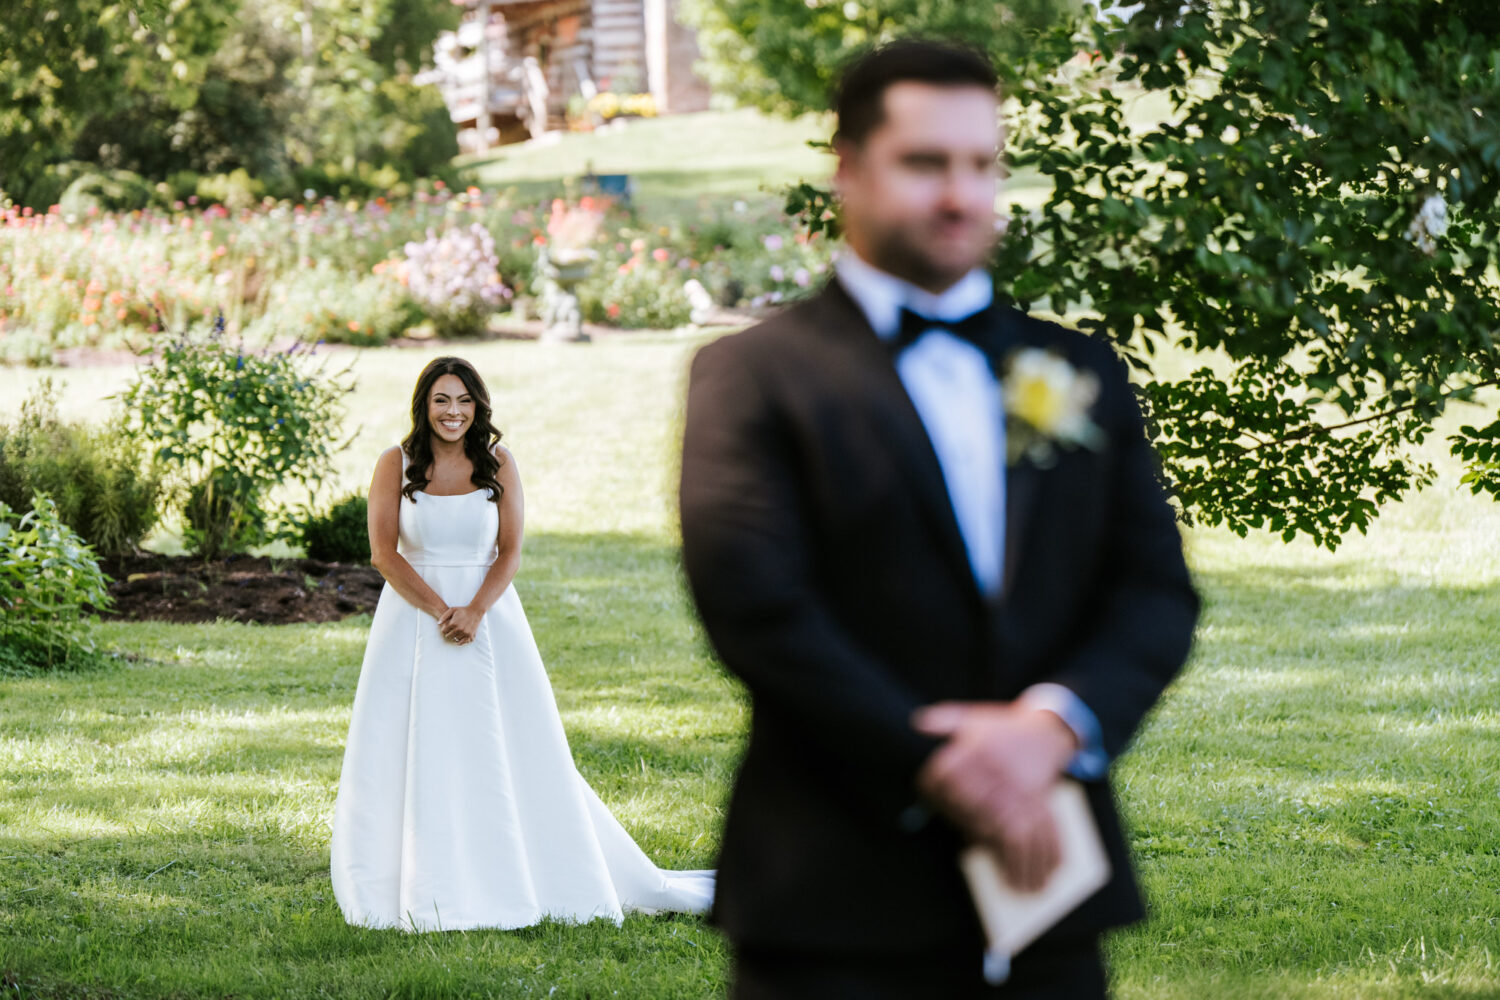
x=366, y=273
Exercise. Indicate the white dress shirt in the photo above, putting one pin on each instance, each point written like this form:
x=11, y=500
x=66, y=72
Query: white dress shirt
x=958, y=398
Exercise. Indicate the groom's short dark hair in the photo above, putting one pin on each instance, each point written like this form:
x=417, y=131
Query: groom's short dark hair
x=859, y=94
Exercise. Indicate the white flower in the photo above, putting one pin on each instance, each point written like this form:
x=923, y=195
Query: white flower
x=1429, y=225
x=1047, y=402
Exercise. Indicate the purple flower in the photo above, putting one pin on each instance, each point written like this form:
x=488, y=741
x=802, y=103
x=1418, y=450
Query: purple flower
x=773, y=242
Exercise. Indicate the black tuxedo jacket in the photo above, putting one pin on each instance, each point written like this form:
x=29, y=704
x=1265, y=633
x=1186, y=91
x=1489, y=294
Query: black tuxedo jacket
x=828, y=568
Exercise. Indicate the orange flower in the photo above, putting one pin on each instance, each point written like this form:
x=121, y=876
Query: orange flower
x=354, y=326
x=88, y=320
x=92, y=304
x=613, y=310
x=115, y=298
x=121, y=313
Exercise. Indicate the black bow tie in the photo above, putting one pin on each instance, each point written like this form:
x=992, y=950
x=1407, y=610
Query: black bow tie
x=974, y=328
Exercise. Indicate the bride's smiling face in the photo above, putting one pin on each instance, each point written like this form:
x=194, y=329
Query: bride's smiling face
x=450, y=409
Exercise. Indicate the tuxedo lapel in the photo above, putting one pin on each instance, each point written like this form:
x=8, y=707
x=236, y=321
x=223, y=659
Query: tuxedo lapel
x=1021, y=482
x=912, y=446
x=1022, y=478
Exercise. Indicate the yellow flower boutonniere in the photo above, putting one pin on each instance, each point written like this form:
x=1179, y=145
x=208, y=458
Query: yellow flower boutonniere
x=1047, y=404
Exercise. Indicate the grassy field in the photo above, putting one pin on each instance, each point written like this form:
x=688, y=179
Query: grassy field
x=679, y=161
x=1314, y=806
x=669, y=159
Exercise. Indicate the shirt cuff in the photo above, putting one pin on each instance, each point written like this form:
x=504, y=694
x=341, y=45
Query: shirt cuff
x=1090, y=763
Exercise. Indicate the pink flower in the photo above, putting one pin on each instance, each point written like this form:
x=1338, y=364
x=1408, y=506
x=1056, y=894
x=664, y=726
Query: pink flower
x=801, y=277
x=660, y=255
x=773, y=242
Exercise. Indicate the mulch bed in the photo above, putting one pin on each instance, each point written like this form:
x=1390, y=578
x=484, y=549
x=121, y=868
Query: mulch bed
x=239, y=588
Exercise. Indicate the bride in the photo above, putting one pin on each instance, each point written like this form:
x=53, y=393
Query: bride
x=459, y=805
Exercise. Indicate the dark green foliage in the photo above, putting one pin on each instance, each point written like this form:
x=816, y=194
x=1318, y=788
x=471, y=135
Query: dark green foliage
x=65, y=63
x=160, y=89
x=781, y=55
x=95, y=477
x=48, y=576
x=340, y=535
x=1317, y=220
x=1278, y=222
x=229, y=426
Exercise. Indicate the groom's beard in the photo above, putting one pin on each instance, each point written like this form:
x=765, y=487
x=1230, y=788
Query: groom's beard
x=933, y=253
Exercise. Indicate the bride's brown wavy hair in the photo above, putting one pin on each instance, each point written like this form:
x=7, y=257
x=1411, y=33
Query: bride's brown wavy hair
x=479, y=439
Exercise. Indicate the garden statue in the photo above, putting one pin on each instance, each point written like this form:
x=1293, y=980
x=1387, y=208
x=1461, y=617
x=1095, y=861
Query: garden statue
x=566, y=259
x=560, y=308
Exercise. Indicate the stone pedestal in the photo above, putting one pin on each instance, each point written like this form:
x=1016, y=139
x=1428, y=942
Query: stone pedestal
x=562, y=271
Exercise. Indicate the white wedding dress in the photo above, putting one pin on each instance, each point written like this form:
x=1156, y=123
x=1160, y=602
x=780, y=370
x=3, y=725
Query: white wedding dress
x=459, y=805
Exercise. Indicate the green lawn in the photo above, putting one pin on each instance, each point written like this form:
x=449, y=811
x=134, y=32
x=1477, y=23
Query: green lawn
x=1314, y=806
x=676, y=162
x=672, y=160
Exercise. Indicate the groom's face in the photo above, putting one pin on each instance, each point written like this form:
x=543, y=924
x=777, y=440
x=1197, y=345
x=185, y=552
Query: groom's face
x=918, y=192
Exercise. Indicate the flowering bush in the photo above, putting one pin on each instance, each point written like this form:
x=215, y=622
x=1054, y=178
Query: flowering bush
x=230, y=426
x=323, y=304
x=646, y=290
x=607, y=104
x=453, y=277
x=572, y=229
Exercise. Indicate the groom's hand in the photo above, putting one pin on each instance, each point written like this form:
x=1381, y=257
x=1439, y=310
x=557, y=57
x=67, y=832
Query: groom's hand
x=993, y=777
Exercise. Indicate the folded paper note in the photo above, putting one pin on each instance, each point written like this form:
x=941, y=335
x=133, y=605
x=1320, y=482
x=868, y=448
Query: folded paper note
x=1013, y=919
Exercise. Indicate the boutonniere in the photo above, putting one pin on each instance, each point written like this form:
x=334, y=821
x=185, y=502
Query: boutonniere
x=1047, y=404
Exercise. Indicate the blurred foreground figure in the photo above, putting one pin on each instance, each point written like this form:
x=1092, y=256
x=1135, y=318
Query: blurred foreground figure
x=926, y=532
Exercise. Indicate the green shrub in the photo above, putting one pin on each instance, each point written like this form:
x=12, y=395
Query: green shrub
x=106, y=191
x=95, y=477
x=222, y=516
x=236, y=190
x=48, y=578
x=641, y=292
x=237, y=424
x=324, y=303
x=341, y=535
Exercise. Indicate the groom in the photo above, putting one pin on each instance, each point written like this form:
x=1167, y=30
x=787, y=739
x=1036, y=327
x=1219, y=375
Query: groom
x=945, y=582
